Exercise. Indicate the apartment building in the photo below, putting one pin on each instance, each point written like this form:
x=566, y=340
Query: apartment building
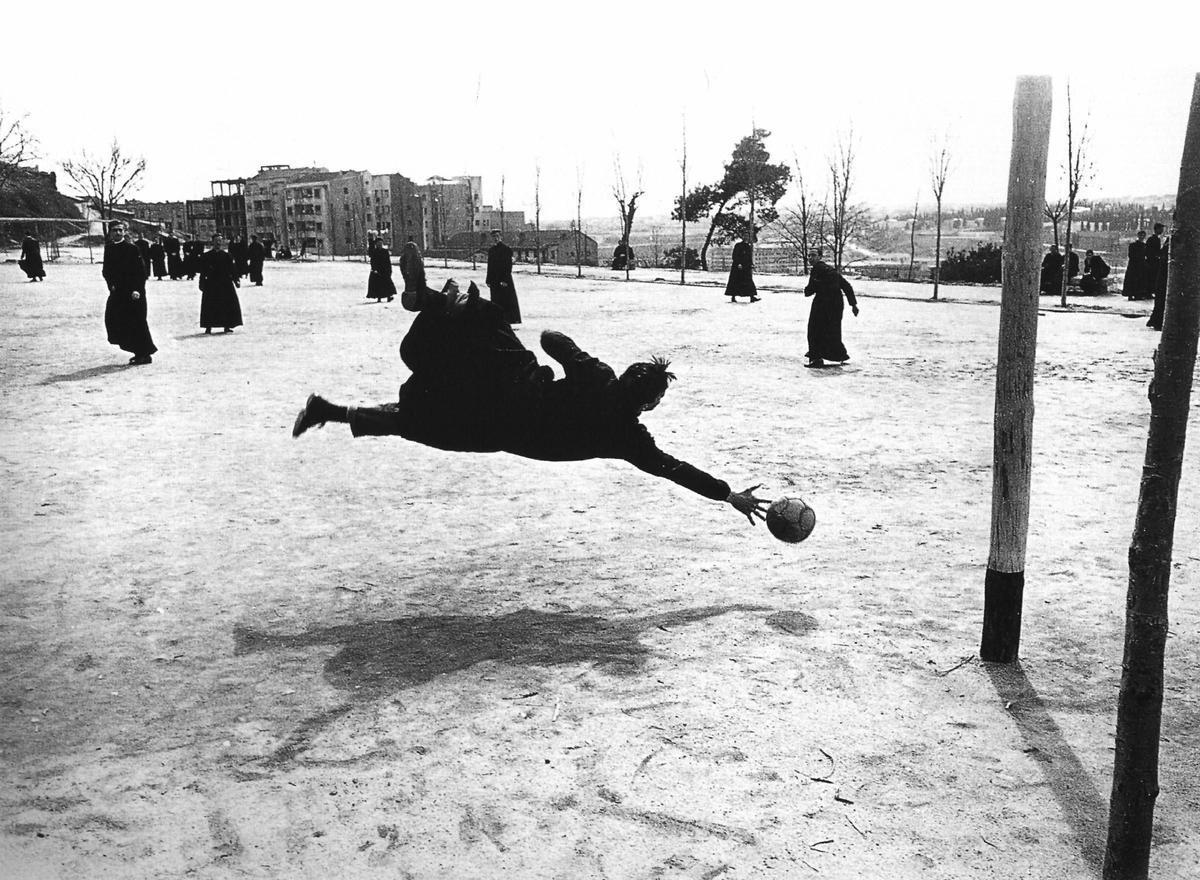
x=490, y=218
x=266, y=214
x=169, y=215
x=449, y=206
x=325, y=212
x=393, y=209
x=229, y=206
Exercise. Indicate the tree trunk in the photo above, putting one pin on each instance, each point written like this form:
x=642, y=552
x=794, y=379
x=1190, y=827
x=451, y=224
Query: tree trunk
x=1139, y=707
x=937, y=251
x=912, y=242
x=1012, y=450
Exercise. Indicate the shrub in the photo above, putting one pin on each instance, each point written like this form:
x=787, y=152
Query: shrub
x=979, y=265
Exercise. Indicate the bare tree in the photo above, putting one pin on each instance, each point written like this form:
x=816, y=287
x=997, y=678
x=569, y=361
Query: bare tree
x=579, y=223
x=683, y=214
x=798, y=224
x=1055, y=213
x=846, y=219
x=105, y=180
x=17, y=146
x=1139, y=706
x=537, y=215
x=912, y=237
x=1079, y=169
x=627, y=203
x=501, y=204
x=939, y=169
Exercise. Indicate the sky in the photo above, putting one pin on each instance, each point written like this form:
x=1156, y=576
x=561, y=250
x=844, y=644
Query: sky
x=513, y=89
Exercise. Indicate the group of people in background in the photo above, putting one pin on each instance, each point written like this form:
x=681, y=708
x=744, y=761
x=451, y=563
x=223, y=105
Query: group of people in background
x=1146, y=273
x=128, y=264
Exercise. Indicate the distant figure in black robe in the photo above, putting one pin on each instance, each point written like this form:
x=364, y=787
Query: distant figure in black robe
x=219, y=305
x=255, y=255
x=125, y=311
x=31, y=259
x=240, y=254
x=475, y=388
x=500, y=279
x=1158, y=259
x=192, y=251
x=158, y=260
x=171, y=245
x=1052, y=269
x=379, y=282
x=143, y=248
x=1135, y=285
x=1072, y=263
x=741, y=272
x=1095, y=270
x=826, y=286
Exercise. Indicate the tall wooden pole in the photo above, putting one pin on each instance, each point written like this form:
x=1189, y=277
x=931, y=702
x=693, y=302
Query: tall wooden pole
x=1139, y=707
x=1012, y=451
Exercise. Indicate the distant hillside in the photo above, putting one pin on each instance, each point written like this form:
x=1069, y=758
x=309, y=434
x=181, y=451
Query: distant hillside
x=33, y=193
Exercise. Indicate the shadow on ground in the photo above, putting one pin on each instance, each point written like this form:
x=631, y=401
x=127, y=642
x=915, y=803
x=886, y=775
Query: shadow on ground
x=1085, y=810
x=381, y=657
x=89, y=373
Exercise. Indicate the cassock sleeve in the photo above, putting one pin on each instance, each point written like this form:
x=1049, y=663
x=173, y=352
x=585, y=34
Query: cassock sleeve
x=848, y=290
x=641, y=452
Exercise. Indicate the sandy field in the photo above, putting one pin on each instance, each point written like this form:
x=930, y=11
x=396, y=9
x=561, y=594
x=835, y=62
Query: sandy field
x=228, y=653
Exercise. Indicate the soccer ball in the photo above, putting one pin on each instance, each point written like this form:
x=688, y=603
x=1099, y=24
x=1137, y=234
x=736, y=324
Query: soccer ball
x=791, y=520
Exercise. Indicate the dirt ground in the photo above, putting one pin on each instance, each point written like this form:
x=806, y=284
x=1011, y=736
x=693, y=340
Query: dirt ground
x=228, y=653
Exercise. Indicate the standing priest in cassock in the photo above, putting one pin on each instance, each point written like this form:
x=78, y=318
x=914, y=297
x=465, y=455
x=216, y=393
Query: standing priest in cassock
x=500, y=279
x=255, y=255
x=219, y=305
x=125, y=311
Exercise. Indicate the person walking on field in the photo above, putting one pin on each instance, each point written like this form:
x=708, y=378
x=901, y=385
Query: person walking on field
x=171, y=245
x=158, y=259
x=826, y=285
x=125, y=311
x=741, y=271
x=143, y=248
x=1157, y=257
x=475, y=388
x=256, y=254
x=379, y=283
x=31, y=259
x=500, y=279
x=1135, y=284
x=219, y=305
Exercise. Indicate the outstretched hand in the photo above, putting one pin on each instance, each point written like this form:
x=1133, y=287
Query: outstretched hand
x=746, y=503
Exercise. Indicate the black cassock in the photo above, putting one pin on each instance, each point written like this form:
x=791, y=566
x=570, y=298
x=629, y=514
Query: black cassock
x=143, y=249
x=379, y=283
x=174, y=263
x=1052, y=269
x=219, y=305
x=741, y=272
x=238, y=251
x=500, y=281
x=124, y=316
x=31, y=258
x=826, y=287
x=1135, y=285
x=158, y=261
x=255, y=254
